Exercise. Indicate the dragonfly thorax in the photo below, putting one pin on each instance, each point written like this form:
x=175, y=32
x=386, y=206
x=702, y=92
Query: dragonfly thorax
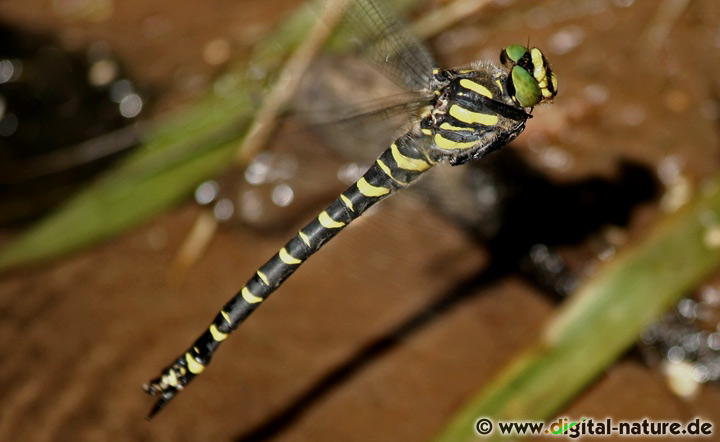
x=472, y=114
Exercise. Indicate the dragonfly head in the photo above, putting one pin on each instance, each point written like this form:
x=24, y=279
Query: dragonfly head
x=531, y=81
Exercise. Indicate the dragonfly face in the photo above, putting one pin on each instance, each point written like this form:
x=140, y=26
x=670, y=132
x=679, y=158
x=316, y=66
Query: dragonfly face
x=531, y=81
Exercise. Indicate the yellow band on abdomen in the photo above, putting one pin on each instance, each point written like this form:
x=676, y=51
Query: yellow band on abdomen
x=386, y=169
x=407, y=163
x=369, y=190
x=249, y=297
x=194, y=366
x=347, y=202
x=217, y=334
x=264, y=277
x=288, y=258
x=328, y=222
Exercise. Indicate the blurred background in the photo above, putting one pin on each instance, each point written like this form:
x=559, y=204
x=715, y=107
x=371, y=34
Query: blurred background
x=127, y=222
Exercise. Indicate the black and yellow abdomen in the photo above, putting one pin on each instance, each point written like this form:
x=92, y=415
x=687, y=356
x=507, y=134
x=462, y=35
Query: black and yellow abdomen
x=395, y=168
x=470, y=113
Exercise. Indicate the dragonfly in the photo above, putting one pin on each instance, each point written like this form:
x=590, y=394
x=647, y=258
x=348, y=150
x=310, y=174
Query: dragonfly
x=460, y=115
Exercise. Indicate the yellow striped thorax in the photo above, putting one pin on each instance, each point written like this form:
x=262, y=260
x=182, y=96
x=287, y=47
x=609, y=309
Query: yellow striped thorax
x=531, y=81
x=473, y=114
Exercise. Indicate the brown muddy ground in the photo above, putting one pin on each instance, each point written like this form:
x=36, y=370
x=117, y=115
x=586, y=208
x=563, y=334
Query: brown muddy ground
x=80, y=336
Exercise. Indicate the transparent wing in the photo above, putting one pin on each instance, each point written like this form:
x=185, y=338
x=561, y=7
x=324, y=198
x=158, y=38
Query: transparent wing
x=358, y=109
x=388, y=44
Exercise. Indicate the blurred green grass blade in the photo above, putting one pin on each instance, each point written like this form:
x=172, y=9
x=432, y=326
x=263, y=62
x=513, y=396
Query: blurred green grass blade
x=151, y=180
x=602, y=320
x=174, y=157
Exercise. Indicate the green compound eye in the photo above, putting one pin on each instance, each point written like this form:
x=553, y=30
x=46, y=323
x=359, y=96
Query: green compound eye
x=527, y=91
x=513, y=53
x=531, y=81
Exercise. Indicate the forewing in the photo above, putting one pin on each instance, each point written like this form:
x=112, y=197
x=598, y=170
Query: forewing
x=388, y=44
x=358, y=110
